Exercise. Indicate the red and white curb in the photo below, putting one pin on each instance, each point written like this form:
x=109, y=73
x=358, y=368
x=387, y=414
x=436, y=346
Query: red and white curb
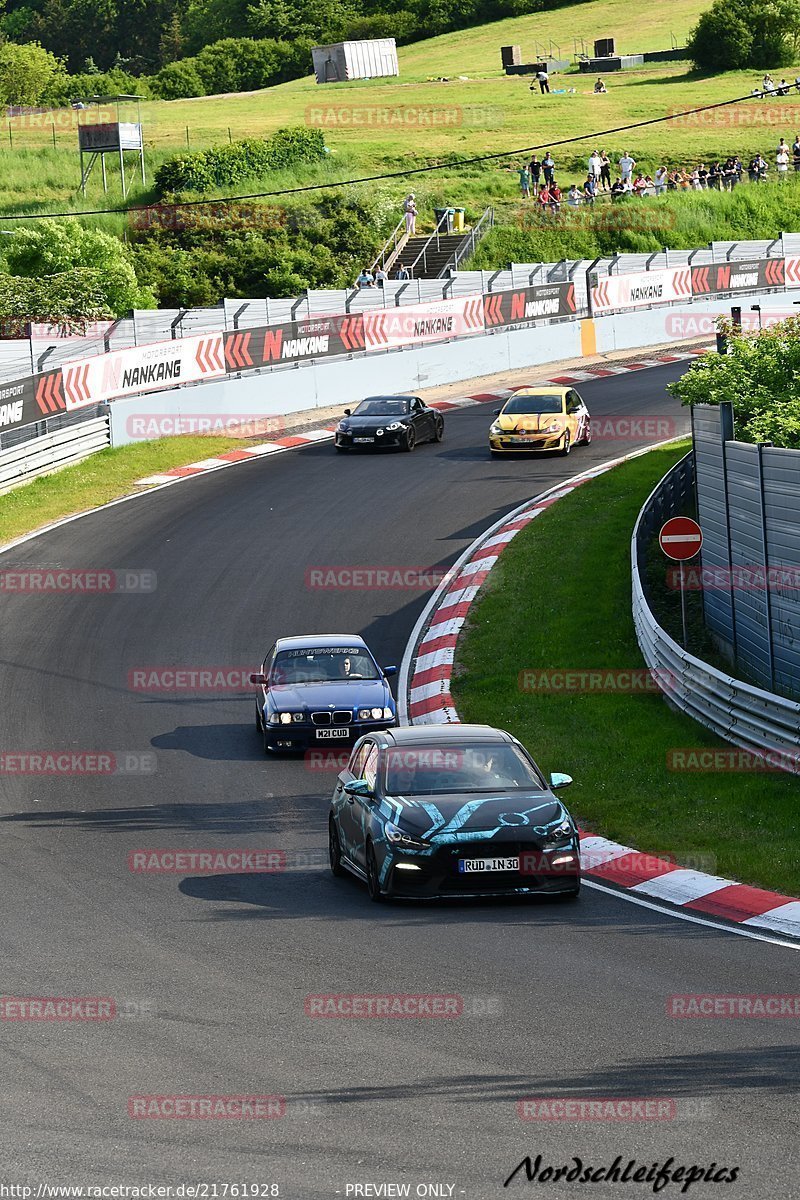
x=424, y=692
x=309, y=436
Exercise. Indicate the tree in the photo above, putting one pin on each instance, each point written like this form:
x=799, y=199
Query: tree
x=51, y=248
x=736, y=34
x=27, y=73
x=178, y=81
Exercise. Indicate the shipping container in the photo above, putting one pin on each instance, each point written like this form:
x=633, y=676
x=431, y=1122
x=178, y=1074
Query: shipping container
x=371, y=59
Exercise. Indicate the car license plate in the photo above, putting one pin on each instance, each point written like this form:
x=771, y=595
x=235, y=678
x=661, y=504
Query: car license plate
x=521, y=441
x=336, y=731
x=360, y=441
x=467, y=865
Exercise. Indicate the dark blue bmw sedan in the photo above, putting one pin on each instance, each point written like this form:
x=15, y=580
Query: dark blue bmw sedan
x=320, y=690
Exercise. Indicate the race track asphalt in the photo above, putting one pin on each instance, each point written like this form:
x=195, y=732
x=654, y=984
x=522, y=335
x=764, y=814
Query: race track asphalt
x=210, y=973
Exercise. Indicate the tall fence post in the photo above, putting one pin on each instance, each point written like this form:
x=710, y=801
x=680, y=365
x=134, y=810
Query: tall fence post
x=765, y=562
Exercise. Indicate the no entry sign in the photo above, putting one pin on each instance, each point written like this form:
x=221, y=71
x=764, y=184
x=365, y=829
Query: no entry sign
x=680, y=538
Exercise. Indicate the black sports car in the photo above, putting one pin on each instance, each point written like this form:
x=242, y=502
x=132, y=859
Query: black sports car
x=451, y=810
x=321, y=689
x=398, y=422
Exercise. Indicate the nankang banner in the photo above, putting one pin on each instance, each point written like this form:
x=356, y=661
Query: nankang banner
x=738, y=274
x=143, y=369
x=293, y=341
x=528, y=304
x=640, y=289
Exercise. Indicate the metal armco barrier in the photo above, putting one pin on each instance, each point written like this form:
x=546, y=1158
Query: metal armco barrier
x=754, y=720
x=52, y=451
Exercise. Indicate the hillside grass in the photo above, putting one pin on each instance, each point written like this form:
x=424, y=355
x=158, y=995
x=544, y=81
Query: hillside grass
x=415, y=121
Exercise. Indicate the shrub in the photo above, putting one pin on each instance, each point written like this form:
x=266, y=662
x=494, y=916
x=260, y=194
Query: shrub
x=735, y=34
x=225, y=166
x=67, y=299
x=178, y=81
x=28, y=73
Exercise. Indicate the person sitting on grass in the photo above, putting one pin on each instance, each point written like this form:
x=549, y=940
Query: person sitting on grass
x=600, y=88
x=617, y=189
x=783, y=88
x=639, y=185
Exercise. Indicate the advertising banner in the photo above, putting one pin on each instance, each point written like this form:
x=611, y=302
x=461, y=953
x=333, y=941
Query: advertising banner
x=640, y=289
x=293, y=341
x=528, y=304
x=747, y=274
x=435, y=322
x=143, y=369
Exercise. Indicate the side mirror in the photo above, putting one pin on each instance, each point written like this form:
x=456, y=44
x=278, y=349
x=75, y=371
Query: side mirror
x=358, y=787
x=558, y=780
x=389, y=670
x=348, y=412
x=497, y=412
x=259, y=677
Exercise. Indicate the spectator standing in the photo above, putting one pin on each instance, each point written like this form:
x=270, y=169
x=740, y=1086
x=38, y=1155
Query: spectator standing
x=595, y=166
x=380, y=277
x=782, y=161
x=410, y=210
x=525, y=183
x=660, y=181
x=626, y=165
x=796, y=152
x=535, y=168
x=605, y=171
x=555, y=199
x=639, y=185
x=543, y=81
x=544, y=198
x=761, y=168
x=365, y=279
x=548, y=167
x=401, y=272
x=589, y=189
x=574, y=196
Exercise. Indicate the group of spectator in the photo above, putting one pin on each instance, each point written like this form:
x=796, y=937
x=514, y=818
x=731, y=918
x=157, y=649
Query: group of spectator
x=537, y=179
x=770, y=88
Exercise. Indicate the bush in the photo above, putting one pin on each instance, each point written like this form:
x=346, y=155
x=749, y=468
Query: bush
x=225, y=166
x=28, y=73
x=736, y=34
x=67, y=299
x=759, y=377
x=239, y=65
x=178, y=81
x=98, y=83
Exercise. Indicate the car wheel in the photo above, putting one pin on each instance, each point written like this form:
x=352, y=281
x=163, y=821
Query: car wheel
x=268, y=749
x=410, y=440
x=438, y=432
x=587, y=437
x=335, y=850
x=373, y=882
x=567, y=446
x=340, y=449
x=259, y=728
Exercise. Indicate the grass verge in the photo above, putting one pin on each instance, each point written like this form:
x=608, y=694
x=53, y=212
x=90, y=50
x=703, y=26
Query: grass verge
x=105, y=476
x=560, y=598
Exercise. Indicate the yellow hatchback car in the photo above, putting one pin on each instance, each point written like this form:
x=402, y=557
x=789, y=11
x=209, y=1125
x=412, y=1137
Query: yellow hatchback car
x=541, y=418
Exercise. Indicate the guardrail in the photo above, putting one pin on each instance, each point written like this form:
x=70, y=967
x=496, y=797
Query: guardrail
x=756, y=721
x=52, y=451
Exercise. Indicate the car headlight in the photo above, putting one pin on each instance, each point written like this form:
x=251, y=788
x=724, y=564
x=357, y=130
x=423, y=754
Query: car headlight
x=388, y=715
x=378, y=433
x=297, y=716
x=274, y=718
x=559, y=833
x=495, y=429
x=286, y=718
x=342, y=427
x=398, y=837
x=394, y=425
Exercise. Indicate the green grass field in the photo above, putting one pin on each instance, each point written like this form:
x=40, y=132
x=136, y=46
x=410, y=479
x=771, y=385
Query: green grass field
x=560, y=598
x=380, y=125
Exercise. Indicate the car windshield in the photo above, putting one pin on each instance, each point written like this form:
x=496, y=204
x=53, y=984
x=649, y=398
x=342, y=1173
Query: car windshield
x=474, y=767
x=533, y=404
x=382, y=406
x=324, y=664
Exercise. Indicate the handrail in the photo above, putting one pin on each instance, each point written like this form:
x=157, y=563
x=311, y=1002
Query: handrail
x=423, y=254
x=466, y=248
x=397, y=241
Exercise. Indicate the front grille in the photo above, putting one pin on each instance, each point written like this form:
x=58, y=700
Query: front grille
x=343, y=716
x=321, y=718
